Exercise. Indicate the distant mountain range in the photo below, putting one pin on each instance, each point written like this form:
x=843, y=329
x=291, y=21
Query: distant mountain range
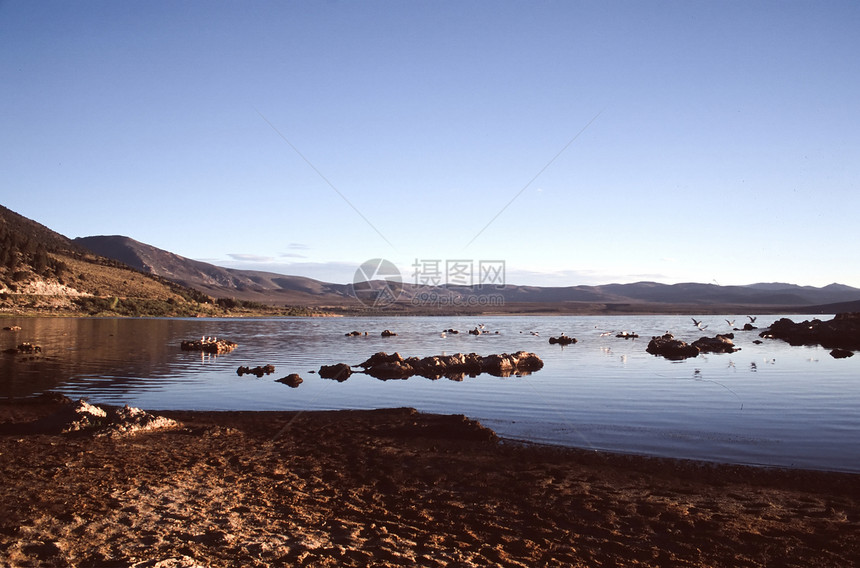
x=43, y=270
x=640, y=296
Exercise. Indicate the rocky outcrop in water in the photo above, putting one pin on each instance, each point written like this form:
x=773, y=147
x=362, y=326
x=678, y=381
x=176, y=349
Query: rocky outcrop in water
x=722, y=343
x=562, y=340
x=293, y=380
x=257, y=371
x=667, y=346
x=388, y=333
x=842, y=332
x=24, y=349
x=456, y=367
x=209, y=345
x=339, y=372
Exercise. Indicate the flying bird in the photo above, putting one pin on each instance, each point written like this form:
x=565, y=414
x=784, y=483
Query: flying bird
x=698, y=323
x=731, y=323
x=752, y=319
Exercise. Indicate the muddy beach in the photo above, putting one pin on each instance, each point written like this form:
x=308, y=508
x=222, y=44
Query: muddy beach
x=394, y=488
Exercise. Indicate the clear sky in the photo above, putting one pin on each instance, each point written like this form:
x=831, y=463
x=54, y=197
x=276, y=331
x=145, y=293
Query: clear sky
x=579, y=142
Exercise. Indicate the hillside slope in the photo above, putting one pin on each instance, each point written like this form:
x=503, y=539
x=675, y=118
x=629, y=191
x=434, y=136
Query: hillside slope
x=42, y=270
x=216, y=280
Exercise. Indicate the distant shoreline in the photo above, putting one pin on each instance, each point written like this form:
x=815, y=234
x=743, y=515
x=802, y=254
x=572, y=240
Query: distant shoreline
x=512, y=309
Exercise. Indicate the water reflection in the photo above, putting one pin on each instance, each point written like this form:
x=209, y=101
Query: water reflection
x=767, y=403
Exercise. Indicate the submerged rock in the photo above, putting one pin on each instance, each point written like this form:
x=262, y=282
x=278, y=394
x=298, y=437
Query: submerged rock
x=339, y=372
x=667, y=346
x=841, y=353
x=562, y=340
x=208, y=345
x=24, y=349
x=293, y=380
x=257, y=371
x=627, y=335
x=388, y=333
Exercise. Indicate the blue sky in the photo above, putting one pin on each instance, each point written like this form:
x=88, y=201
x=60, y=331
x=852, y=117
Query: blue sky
x=580, y=142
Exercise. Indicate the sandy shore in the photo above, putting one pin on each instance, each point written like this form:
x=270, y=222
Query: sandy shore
x=394, y=488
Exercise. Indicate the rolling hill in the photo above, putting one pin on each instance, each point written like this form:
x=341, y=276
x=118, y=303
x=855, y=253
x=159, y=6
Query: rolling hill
x=42, y=271
x=636, y=297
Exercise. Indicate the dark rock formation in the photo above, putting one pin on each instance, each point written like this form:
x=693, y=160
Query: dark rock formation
x=24, y=349
x=12, y=328
x=355, y=333
x=627, y=335
x=258, y=371
x=562, y=340
x=456, y=367
x=842, y=332
x=209, y=345
x=293, y=380
x=670, y=348
x=451, y=331
x=841, y=353
x=339, y=372
x=718, y=344
x=388, y=333
x=749, y=327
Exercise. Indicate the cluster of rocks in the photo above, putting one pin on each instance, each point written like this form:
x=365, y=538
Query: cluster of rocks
x=355, y=333
x=82, y=416
x=840, y=333
x=481, y=331
x=209, y=345
x=24, y=349
x=456, y=366
x=671, y=348
x=257, y=371
x=562, y=340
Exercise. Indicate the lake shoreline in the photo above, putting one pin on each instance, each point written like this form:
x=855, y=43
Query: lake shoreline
x=396, y=487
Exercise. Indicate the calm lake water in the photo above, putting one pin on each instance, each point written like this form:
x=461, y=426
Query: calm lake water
x=768, y=404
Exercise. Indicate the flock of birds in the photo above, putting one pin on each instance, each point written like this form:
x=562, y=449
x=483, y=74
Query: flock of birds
x=480, y=329
x=701, y=326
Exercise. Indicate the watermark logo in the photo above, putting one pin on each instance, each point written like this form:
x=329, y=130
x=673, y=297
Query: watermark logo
x=377, y=283
x=459, y=272
x=436, y=282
